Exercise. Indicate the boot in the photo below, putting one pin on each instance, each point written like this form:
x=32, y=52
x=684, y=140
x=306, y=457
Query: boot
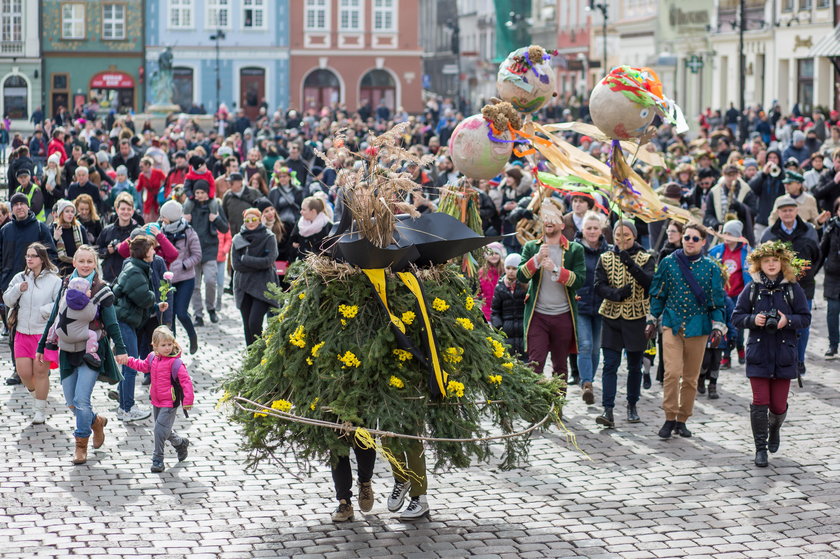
x=775, y=425
x=759, y=421
x=80, y=457
x=40, y=416
x=98, y=428
x=606, y=419
x=632, y=414
x=713, y=393
x=701, y=384
x=588, y=395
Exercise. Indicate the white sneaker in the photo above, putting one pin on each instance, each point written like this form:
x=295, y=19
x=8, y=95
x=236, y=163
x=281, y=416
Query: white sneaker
x=417, y=508
x=40, y=412
x=397, y=498
x=120, y=413
x=136, y=413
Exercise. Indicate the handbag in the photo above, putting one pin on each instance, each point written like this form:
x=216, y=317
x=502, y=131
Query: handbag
x=12, y=318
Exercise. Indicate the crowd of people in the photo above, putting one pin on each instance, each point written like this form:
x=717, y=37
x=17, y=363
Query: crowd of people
x=115, y=234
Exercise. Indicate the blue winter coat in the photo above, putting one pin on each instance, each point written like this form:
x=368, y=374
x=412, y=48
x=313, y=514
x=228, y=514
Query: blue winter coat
x=772, y=354
x=588, y=299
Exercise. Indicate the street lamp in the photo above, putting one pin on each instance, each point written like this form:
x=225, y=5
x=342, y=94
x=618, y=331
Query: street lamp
x=602, y=7
x=220, y=35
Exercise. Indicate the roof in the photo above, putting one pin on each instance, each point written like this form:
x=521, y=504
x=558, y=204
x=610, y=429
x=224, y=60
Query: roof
x=827, y=46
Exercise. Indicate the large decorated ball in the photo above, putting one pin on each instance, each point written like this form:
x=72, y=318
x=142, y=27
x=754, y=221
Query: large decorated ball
x=526, y=84
x=475, y=154
x=623, y=104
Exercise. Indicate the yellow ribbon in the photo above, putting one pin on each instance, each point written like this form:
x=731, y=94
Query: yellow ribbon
x=377, y=278
x=365, y=441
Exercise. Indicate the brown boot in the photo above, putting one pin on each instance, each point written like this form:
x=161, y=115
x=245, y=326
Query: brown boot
x=80, y=457
x=588, y=395
x=98, y=427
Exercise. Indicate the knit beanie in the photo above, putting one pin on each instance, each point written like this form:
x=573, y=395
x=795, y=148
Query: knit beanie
x=18, y=198
x=628, y=224
x=172, y=210
x=513, y=260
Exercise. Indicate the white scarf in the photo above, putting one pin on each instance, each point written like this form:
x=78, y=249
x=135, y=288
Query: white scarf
x=308, y=228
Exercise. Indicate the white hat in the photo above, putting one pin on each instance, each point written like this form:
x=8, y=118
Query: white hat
x=513, y=260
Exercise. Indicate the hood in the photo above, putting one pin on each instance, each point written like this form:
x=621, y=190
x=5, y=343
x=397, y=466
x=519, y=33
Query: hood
x=77, y=300
x=25, y=221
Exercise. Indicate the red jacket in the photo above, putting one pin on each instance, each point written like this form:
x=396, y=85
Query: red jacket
x=165, y=249
x=151, y=185
x=57, y=145
x=175, y=176
x=192, y=176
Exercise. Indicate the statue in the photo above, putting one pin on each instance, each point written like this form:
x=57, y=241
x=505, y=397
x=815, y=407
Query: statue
x=162, y=84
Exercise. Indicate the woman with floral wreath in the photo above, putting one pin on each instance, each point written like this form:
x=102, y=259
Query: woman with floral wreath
x=772, y=308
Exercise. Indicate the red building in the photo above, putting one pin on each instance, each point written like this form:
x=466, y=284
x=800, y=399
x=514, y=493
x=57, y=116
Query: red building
x=352, y=51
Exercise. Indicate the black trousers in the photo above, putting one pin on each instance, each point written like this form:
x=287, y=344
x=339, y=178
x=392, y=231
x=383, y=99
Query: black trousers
x=253, y=312
x=342, y=472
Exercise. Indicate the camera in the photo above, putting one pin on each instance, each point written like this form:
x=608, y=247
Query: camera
x=772, y=322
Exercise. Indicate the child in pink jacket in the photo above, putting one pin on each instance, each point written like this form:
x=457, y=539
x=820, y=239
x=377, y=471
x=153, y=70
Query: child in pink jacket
x=163, y=363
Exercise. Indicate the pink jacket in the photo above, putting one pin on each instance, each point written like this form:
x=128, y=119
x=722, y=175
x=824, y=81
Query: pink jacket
x=487, y=280
x=161, y=388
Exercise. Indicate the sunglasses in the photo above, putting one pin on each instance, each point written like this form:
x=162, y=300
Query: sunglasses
x=692, y=238
x=251, y=219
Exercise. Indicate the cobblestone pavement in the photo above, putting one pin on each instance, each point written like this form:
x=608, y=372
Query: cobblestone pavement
x=636, y=496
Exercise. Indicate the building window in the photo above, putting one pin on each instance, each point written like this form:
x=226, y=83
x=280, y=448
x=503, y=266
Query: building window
x=218, y=14
x=253, y=15
x=182, y=80
x=180, y=14
x=316, y=15
x=384, y=15
x=805, y=89
x=72, y=21
x=11, y=21
x=321, y=88
x=15, y=97
x=822, y=4
x=804, y=5
x=787, y=5
x=350, y=15
x=113, y=21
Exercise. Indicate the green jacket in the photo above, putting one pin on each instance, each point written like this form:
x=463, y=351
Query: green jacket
x=109, y=370
x=672, y=299
x=133, y=293
x=572, y=278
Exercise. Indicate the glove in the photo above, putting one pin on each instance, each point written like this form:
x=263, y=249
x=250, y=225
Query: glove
x=624, y=292
x=715, y=338
x=650, y=331
x=625, y=258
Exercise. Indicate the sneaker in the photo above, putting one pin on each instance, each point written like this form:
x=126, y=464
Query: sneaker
x=343, y=513
x=417, y=508
x=588, y=396
x=183, y=449
x=147, y=380
x=365, y=496
x=157, y=466
x=667, y=429
x=397, y=498
x=136, y=413
x=121, y=414
x=198, y=320
x=831, y=353
x=725, y=363
x=14, y=379
x=742, y=356
x=214, y=318
x=573, y=380
x=114, y=395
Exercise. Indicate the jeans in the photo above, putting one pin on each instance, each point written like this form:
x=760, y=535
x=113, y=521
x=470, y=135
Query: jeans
x=804, y=334
x=164, y=420
x=589, y=346
x=205, y=273
x=126, y=385
x=832, y=317
x=181, y=305
x=609, y=376
x=220, y=283
x=77, y=389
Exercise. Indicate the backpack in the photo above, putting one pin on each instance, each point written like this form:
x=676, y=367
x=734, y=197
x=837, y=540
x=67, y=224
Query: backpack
x=786, y=287
x=177, y=389
x=161, y=195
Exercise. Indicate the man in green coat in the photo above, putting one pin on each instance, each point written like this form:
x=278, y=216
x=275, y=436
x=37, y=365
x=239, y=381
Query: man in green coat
x=554, y=268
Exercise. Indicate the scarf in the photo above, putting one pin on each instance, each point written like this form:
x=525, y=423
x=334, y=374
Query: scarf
x=175, y=227
x=770, y=284
x=684, y=262
x=89, y=278
x=308, y=228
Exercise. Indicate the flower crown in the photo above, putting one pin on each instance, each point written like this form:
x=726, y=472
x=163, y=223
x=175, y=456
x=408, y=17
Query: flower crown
x=784, y=252
x=287, y=171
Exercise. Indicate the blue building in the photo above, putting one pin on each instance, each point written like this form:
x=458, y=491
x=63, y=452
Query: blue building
x=245, y=41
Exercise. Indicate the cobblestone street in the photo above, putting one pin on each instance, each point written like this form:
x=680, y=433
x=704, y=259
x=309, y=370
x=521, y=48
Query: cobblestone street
x=635, y=496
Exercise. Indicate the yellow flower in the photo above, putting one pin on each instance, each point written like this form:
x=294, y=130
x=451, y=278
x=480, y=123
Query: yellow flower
x=313, y=404
x=225, y=397
x=282, y=405
x=402, y=354
x=316, y=348
x=348, y=311
x=495, y=379
x=508, y=365
x=343, y=322
x=298, y=337
x=470, y=303
x=455, y=388
x=453, y=354
x=498, y=347
x=301, y=295
x=264, y=361
x=439, y=304
x=408, y=317
x=349, y=359
x=309, y=361
x=465, y=323
x=396, y=382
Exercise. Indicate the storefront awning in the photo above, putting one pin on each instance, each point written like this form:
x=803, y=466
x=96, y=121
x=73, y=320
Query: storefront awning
x=111, y=80
x=828, y=46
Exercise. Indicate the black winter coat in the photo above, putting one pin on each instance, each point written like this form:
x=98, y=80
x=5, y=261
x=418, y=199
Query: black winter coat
x=589, y=301
x=253, y=254
x=15, y=237
x=827, y=191
x=509, y=313
x=806, y=246
x=830, y=249
x=766, y=189
x=112, y=263
x=772, y=354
